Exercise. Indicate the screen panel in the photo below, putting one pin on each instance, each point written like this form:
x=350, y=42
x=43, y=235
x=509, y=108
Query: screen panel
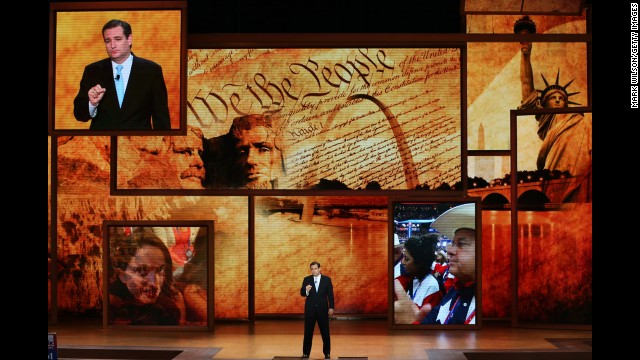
x=160, y=162
x=83, y=201
x=333, y=118
x=153, y=25
x=80, y=246
x=545, y=24
x=337, y=232
x=554, y=218
x=551, y=7
x=495, y=85
x=52, y=263
x=435, y=254
x=160, y=275
x=496, y=230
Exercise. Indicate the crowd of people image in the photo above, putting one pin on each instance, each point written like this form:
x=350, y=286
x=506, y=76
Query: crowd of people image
x=437, y=286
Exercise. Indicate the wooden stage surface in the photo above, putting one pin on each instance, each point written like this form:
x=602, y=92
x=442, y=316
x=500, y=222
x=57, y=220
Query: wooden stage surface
x=350, y=339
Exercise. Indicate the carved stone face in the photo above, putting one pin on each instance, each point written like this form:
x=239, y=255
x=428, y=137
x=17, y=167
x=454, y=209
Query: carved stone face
x=143, y=163
x=255, y=152
x=157, y=162
x=186, y=155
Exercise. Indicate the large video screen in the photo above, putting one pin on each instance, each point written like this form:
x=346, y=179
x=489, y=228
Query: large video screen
x=88, y=93
x=331, y=118
x=495, y=87
x=554, y=207
x=436, y=264
x=160, y=275
x=338, y=232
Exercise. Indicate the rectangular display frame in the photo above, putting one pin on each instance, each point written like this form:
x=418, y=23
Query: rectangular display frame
x=322, y=44
x=449, y=225
x=177, y=62
x=109, y=224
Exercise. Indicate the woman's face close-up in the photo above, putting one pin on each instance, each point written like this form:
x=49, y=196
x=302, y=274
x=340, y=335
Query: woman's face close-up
x=144, y=275
x=409, y=262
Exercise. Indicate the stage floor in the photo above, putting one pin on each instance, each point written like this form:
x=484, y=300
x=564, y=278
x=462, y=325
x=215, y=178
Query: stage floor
x=368, y=339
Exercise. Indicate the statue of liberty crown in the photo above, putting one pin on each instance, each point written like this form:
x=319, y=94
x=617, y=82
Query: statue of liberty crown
x=557, y=87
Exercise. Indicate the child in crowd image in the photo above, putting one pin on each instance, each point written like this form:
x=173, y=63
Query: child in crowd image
x=440, y=269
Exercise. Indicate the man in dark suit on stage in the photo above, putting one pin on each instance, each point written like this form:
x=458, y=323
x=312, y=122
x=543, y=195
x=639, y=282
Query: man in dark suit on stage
x=122, y=92
x=318, y=307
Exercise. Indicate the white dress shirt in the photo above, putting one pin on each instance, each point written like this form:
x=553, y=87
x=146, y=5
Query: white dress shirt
x=125, y=72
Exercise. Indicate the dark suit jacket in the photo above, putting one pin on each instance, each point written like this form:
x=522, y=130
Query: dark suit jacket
x=145, y=98
x=322, y=300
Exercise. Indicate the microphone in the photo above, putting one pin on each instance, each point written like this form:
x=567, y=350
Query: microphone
x=117, y=77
